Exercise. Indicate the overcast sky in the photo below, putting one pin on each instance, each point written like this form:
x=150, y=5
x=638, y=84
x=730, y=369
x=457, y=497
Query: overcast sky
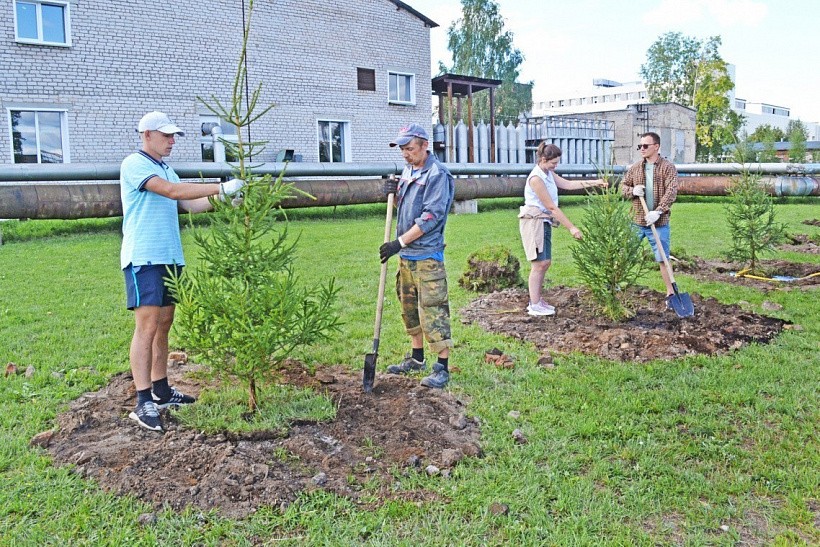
x=773, y=44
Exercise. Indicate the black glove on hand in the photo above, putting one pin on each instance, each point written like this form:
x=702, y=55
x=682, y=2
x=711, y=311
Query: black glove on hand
x=391, y=186
x=389, y=249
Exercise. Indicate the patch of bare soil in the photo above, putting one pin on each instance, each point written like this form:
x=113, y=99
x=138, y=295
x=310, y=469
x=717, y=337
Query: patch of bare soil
x=400, y=426
x=812, y=222
x=653, y=333
x=716, y=270
x=801, y=243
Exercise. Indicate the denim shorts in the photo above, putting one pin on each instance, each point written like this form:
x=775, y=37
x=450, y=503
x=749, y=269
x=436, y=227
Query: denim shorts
x=145, y=285
x=663, y=234
x=546, y=252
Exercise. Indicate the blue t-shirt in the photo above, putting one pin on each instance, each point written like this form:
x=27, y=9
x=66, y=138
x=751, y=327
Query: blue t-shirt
x=150, y=222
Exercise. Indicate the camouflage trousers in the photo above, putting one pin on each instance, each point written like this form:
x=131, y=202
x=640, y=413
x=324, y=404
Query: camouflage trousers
x=425, y=305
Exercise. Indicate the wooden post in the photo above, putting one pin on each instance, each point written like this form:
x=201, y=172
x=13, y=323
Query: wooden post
x=492, y=125
x=451, y=144
x=470, y=147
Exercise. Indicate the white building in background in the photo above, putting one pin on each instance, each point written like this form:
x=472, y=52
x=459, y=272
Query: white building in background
x=601, y=96
x=608, y=95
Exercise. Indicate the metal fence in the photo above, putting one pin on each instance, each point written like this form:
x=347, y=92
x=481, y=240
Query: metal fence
x=582, y=141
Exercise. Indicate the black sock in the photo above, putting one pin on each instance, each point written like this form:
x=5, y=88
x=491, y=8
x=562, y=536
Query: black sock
x=144, y=395
x=443, y=362
x=418, y=354
x=161, y=388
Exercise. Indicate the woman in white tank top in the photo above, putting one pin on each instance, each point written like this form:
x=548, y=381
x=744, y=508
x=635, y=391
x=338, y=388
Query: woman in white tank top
x=539, y=214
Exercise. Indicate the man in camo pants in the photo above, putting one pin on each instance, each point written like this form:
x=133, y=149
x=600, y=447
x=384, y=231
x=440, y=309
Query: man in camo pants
x=424, y=196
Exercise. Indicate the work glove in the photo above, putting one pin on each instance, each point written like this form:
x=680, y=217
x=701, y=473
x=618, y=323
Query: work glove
x=389, y=249
x=228, y=189
x=638, y=190
x=391, y=185
x=652, y=217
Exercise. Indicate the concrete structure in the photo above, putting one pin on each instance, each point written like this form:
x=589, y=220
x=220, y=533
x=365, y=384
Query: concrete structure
x=627, y=106
x=674, y=123
x=341, y=86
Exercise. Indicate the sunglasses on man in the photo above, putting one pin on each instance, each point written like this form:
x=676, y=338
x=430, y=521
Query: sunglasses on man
x=645, y=146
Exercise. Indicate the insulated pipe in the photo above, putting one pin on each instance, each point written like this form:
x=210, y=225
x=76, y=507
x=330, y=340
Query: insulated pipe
x=111, y=171
x=102, y=199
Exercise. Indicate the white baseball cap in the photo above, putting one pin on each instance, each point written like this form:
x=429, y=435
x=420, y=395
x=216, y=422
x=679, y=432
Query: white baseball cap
x=158, y=121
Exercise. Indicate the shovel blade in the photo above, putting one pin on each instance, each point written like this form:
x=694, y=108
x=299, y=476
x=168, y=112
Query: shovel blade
x=682, y=304
x=369, y=375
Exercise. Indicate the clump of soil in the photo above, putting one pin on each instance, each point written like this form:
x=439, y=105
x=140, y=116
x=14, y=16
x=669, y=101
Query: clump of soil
x=717, y=270
x=801, y=243
x=812, y=222
x=491, y=269
x=399, y=426
x=653, y=333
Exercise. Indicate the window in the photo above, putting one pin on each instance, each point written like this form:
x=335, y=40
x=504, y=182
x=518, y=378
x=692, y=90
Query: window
x=38, y=136
x=366, y=79
x=402, y=88
x=333, y=141
x=39, y=22
x=206, y=140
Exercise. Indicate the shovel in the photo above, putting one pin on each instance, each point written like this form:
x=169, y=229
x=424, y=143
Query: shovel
x=369, y=376
x=681, y=302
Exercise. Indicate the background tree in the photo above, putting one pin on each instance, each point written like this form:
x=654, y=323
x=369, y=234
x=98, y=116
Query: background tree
x=798, y=135
x=482, y=48
x=765, y=132
x=767, y=135
x=691, y=72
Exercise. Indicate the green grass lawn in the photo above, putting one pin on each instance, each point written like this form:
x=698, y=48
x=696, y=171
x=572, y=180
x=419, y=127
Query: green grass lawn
x=698, y=451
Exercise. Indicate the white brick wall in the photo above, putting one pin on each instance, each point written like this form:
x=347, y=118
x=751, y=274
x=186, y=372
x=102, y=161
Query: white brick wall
x=128, y=58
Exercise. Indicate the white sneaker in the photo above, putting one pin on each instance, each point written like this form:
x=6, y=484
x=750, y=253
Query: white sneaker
x=548, y=306
x=540, y=309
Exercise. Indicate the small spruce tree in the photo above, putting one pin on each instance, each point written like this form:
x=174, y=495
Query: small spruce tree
x=241, y=309
x=610, y=257
x=751, y=218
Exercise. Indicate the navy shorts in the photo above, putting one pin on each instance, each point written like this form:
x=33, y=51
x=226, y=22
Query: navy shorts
x=546, y=252
x=145, y=285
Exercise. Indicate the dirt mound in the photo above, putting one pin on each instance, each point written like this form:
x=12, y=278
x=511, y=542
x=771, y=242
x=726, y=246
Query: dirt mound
x=801, y=243
x=653, y=333
x=791, y=274
x=399, y=425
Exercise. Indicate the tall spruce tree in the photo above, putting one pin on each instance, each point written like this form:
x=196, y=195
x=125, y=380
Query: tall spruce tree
x=241, y=309
x=481, y=47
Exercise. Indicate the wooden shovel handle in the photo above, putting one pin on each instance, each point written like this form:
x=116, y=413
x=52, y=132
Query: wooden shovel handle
x=383, y=278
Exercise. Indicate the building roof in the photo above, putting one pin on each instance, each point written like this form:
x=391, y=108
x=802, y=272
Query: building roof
x=427, y=21
x=462, y=85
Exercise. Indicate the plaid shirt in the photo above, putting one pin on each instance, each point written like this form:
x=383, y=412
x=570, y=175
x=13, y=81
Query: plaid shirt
x=665, y=183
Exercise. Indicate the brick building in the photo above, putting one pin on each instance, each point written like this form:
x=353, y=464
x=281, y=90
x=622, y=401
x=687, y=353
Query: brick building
x=76, y=75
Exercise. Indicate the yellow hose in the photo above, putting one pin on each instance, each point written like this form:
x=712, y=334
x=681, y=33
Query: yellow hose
x=742, y=273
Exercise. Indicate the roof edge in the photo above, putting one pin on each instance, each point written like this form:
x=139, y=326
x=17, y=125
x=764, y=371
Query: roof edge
x=427, y=21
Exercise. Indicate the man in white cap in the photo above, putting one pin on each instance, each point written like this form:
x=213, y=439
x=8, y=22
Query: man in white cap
x=424, y=196
x=152, y=196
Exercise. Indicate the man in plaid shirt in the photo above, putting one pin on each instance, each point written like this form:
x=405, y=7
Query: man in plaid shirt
x=656, y=179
